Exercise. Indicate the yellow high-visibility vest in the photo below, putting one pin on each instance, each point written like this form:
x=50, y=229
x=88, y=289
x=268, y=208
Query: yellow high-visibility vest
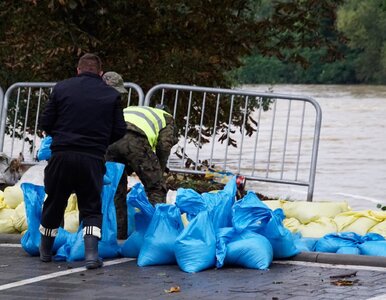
x=150, y=120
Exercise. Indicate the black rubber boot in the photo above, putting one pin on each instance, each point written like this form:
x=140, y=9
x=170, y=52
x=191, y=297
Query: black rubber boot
x=91, y=252
x=45, y=248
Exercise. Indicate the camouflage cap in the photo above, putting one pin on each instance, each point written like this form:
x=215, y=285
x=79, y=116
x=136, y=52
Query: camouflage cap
x=115, y=80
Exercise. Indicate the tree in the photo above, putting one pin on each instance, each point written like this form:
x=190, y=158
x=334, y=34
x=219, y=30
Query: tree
x=151, y=41
x=364, y=23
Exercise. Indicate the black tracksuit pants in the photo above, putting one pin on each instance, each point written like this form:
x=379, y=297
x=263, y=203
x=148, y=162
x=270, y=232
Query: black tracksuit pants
x=73, y=172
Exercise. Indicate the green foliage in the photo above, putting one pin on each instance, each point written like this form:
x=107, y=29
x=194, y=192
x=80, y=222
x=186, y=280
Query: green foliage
x=364, y=23
x=149, y=41
x=363, y=58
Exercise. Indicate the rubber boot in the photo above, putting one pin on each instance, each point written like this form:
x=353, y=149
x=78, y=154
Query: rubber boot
x=91, y=252
x=45, y=248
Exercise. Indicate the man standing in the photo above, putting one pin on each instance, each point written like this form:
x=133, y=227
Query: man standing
x=83, y=116
x=144, y=149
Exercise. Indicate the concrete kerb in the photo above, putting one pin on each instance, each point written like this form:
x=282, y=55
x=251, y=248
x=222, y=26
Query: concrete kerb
x=10, y=238
x=312, y=257
x=341, y=259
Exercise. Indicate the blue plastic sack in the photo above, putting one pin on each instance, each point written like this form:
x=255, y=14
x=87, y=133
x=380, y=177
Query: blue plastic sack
x=108, y=246
x=218, y=203
x=252, y=214
x=44, y=152
x=280, y=237
x=348, y=250
x=330, y=243
x=304, y=244
x=33, y=198
x=163, y=230
x=195, y=247
x=246, y=249
x=374, y=248
x=137, y=198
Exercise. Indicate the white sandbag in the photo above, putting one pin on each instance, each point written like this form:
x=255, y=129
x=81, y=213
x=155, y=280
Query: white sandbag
x=6, y=224
x=72, y=203
x=19, y=219
x=71, y=221
x=34, y=174
x=13, y=196
x=307, y=212
x=292, y=224
x=359, y=222
x=318, y=228
x=379, y=228
x=274, y=204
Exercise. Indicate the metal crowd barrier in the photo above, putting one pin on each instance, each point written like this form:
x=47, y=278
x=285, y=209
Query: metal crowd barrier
x=277, y=143
x=21, y=106
x=265, y=137
x=1, y=99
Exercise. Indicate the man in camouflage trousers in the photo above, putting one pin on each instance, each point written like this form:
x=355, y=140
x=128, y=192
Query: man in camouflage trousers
x=145, y=150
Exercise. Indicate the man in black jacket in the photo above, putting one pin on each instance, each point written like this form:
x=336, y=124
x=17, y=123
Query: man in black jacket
x=83, y=116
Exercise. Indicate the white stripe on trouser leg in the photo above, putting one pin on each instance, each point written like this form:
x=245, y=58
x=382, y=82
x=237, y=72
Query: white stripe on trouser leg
x=92, y=230
x=52, y=232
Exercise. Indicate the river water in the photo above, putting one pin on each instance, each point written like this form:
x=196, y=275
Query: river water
x=352, y=151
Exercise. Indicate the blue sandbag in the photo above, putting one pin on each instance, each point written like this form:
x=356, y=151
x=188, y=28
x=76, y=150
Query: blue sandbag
x=305, y=244
x=33, y=199
x=195, y=247
x=108, y=246
x=246, y=249
x=252, y=214
x=137, y=198
x=374, y=248
x=163, y=230
x=280, y=237
x=218, y=203
x=330, y=243
x=133, y=244
x=44, y=152
x=348, y=250
x=372, y=236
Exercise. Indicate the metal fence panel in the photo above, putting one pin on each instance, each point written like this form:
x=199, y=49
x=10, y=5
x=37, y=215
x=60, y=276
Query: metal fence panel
x=278, y=143
x=20, y=110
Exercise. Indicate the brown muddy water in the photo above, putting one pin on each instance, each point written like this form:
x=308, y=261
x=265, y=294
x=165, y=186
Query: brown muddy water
x=352, y=151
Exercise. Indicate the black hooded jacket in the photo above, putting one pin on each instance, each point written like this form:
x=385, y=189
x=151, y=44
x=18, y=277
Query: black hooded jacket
x=84, y=115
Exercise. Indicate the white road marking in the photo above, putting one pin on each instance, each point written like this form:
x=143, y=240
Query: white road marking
x=59, y=274
x=331, y=266
x=11, y=245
